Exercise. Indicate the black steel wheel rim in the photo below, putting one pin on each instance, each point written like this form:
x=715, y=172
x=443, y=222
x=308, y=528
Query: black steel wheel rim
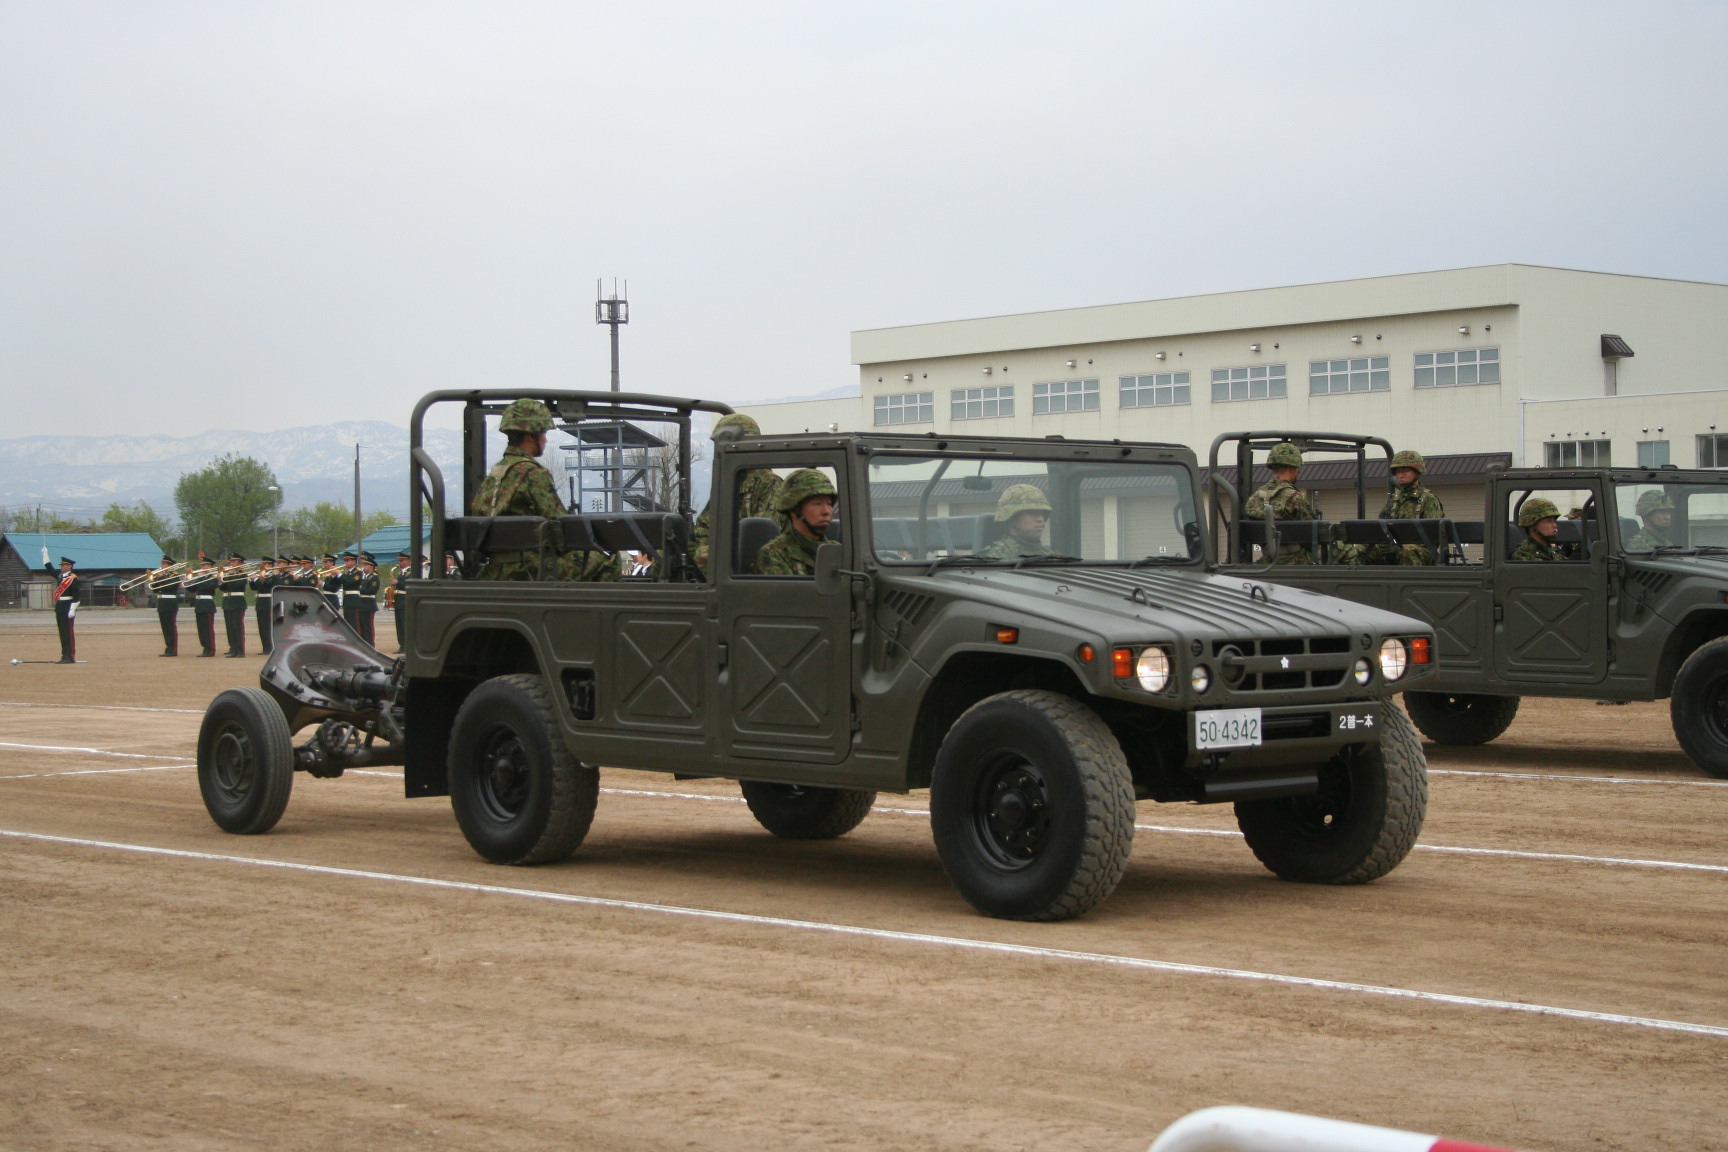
x=1011, y=813
x=233, y=762
x=1715, y=710
x=502, y=783
x=1321, y=812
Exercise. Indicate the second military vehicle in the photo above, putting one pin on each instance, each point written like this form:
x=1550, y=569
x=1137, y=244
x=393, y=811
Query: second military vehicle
x=1038, y=690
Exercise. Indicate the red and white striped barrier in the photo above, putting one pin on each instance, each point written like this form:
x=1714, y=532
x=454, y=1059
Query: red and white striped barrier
x=1236, y=1129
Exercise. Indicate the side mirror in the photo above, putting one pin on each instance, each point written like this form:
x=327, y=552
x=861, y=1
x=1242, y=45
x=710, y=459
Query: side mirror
x=828, y=576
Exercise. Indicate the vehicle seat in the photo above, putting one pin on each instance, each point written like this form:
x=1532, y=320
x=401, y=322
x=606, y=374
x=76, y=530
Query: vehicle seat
x=754, y=532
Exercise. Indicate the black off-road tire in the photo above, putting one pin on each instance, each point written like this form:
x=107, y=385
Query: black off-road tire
x=245, y=761
x=795, y=812
x=1698, y=708
x=1460, y=718
x=518, y=794
x=1032, y=806
x=1361, y=823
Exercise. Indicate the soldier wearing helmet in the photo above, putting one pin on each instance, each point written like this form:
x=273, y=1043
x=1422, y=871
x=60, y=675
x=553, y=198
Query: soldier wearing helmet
x=1657, y=512
x=1409, y=499
x=1026, y=510
x=1286, y=501
x=807, y=501
x=519, y=485
x=759, y=491
x=1540, y=520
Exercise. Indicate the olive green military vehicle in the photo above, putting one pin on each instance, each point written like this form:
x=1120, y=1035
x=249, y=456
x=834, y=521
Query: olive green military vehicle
x=1634, y=608
x=1037, y=695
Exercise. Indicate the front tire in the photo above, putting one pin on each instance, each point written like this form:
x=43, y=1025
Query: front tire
x=1460, y=718
x=1359, y=825
x=1699, y=707
x=245, y=761
x=1032, y=806
x=518, y=794
x=795, y=812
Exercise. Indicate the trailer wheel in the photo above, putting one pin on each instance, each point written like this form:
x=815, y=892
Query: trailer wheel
x=801, y=813
x=518, y=794
x=1699, y=707
x=245, y=761
x=1460, y=718
x=1032, y=806
x=1359, y=825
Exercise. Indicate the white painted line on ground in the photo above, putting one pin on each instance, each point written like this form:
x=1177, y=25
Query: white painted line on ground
x=1581, y=779
x=101, y=707
x=959, y=943
x=89, y=751
x=97, y=772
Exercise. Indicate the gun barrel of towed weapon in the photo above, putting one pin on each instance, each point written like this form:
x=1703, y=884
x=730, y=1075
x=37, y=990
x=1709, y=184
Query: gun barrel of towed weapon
x=368, y=683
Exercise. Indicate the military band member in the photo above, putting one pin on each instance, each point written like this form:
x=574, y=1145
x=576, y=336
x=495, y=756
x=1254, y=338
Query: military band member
x=165, y=586
x=232, y=584
x=348, y=582
x=262, y=582
x=452, y=571
x=364, y=597
x=398, y=589
x=808, y=501
x=1540, y=520
x=66, y=592
x=331, y=584
x=1286, y=500
x=201, y=587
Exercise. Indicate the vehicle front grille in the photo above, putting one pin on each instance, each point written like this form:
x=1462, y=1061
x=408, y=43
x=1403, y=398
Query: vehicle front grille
x=1311, y=662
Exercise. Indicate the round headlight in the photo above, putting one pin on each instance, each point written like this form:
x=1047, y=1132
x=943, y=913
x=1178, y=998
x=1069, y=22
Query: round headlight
x=1394, y=658
x=1200, y=678
x=1363, y=671
x=1153, y=669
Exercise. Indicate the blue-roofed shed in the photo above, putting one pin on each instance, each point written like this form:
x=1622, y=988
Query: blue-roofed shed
x=386, y=542
x=104, y=559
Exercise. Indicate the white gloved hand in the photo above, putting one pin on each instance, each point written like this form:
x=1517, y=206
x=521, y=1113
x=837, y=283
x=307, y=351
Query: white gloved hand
x=45, y=559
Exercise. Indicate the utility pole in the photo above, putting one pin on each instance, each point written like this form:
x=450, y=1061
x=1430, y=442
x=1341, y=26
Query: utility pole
x=356, y=497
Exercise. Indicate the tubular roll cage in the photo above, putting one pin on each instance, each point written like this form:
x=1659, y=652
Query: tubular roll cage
x=569, y=408
x=1247, y=443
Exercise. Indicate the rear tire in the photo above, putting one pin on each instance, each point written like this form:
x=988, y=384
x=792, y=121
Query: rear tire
x=1361, y=823
x=518, y=794
x=1032, y=806
x=1699, y=707
x=245, y=761
x=1460, y=718
x=795, y=812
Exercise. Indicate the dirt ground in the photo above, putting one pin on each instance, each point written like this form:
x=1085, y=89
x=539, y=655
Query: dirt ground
x=190, y=997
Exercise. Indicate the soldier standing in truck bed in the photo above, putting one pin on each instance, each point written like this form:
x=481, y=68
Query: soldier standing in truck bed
x=759, y=491
x=519, y=485
x=1409, y=499
x=1286, y=500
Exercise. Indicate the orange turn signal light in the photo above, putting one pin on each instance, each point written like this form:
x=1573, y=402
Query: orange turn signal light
x=1122, y=663
x=1086, y=653
x=1421, y=650
x=1007, y=635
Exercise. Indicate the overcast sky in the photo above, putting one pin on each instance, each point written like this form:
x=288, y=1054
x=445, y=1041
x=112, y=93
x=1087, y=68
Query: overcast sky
x=233, y=214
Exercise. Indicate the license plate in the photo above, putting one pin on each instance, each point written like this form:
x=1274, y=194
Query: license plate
x=1227, y=728
x=1356, y=722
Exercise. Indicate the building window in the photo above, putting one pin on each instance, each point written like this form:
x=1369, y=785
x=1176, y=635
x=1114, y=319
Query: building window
x=1713, y=450
x=1261, y=382
x=906, y=408
x=1363, y=374
x=1065, y=396
x=1652, y=453
x=981, y=403
x=1576, y=454
x=1156, y=391
x=1459, y=366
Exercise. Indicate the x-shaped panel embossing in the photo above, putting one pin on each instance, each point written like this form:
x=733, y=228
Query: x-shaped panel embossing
x=659, y=673
x=781, y=676
x=1537, y=624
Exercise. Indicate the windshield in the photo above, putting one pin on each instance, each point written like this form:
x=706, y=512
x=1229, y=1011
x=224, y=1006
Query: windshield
x=928, y=508
x=1654, y=516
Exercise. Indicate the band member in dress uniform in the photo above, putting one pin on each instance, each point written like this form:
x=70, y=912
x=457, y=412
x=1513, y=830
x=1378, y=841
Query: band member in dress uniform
x=451, y=571
x=201, y=587
x=332, y=584
x=66, y=593
x=165, y=586
x=262, y=582
x=233, y=587
x=348, y=580
x=399, y=588
x=364, y=598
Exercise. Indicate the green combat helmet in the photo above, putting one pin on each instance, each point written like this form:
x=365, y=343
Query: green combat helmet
x=1021, y=498
x=526, y=416
x=1285, y=454
x=1654, y=501
x=803, y=484
x=1409, y=459
x=746, y=425
x=1536, y=509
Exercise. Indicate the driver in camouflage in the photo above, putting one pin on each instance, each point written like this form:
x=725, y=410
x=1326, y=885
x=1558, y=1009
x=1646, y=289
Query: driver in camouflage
x=808, y=504
x=1657, y=512
x=1409, y=499
x=519, y=485
x=1026, y=510
x=1540, y=520
x=759, y=491
x=1286, y=501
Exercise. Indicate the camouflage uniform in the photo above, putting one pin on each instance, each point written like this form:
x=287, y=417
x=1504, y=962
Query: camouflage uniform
x=1017, y=499
x=1531, y=550
x=1649, y=537
x=1412, y=501
x=792, y=553
x=759, y=492
x=519, y=485
x=1533, y=510
x=1286, y=501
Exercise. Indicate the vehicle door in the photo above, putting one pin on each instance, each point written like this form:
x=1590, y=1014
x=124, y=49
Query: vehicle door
x=1550, y=618
x=784, y=668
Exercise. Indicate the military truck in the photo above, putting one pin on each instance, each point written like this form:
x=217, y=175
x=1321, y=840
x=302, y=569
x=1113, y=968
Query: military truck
x=1629, y=613
x=1037, y=697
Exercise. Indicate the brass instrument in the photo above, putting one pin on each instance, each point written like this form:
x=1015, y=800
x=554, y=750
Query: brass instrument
x=326, y=573
x=138, y=581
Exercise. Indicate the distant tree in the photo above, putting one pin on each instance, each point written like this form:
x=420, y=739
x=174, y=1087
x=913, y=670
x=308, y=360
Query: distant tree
x=327, y=526
x=140, y=517
x=223, y=506
x=34, y=519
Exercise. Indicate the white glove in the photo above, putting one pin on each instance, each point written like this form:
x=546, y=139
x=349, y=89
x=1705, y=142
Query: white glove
x=45, y=559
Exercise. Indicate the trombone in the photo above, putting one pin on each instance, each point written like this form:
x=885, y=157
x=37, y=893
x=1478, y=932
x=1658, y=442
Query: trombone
x=178, y=569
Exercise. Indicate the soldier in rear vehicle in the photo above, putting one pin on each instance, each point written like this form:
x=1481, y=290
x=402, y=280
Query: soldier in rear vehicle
x=759, y=491
x=1540, y=520
x=1286, y=501
x=808, y=503
x=1026, y=511
x=519, y=485
x=1409, y=499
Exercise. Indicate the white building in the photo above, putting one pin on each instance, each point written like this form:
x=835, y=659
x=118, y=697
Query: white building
x=1506, y=363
